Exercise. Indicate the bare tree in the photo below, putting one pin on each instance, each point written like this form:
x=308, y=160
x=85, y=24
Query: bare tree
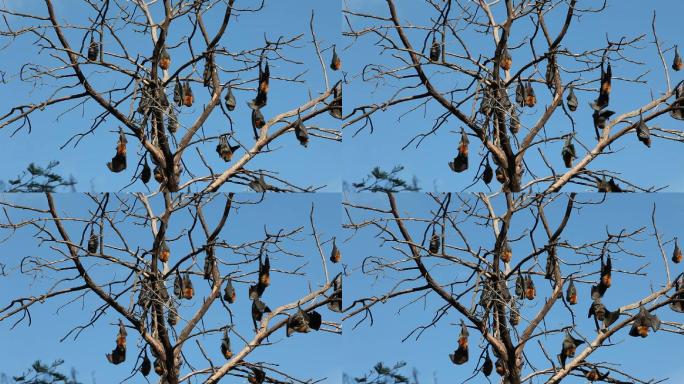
x=487, y=279
x=161, y=76
x=148, y=281
x=504, y=72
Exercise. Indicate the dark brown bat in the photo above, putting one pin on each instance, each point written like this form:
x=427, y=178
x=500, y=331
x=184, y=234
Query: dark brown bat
x=435, y=50
x=551, y=264
x=303, y=322
x=209, y=263
x=265, y=272
x=601, y=117
x=677, y=111
x=159, y=174
x=594, y=375
x=520, y=94
x=93, y=49
x=93, y=242
x=514, y=316
x=506, y=61
x=643, y=132
x=434, y=243
x=159, y=367
x=568, y=152
x=258, y=310
x=335, y=62
x=225, y=346
x=118, y=162
x=146, y=173
x=551, y=71
x=335, y=303
x=164, y=252
x=520, y=286
x=571, y=100
x=208, y=71
x=336, y=103
x=677, y=303
x=230, y=99
x=514, y=124
x=301, y=132
x=178, y=286
x=569, y=348
x=676, y=253
x=335, y=254
x=118, y=355
x=256, y=290
x=500, y=366
x=146, y=365
x=257, y=376
x=488, y=173
x=460, y=162
x=178, y=93
x=225, y=150
x=460, y=355
x=606, y=272
x=487, y=365
x=164, y=59
x=606, y=81
x=229, y=293
x=172, y=317
x=262, y=92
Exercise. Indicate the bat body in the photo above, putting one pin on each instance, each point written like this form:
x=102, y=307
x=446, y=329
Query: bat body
x=435, y=50
x=118, y=162
x=676, y=253
x=229, y=293
x=230, y=99
x=118, y=355
x=460, y=162
x=643, y=322
x=643, y=132
x=530, y=97
x=335, y=62
x=488, y=173
x=460, y=355
x=93, y=49
x=571, y=293
x=569, y=348
x=434, y=243
x=164, y=252
x=506, y=61
x=571, y=101
x=146, y=173
x=188, y=97
x=93, y=242
x=335, y=254
x=225, y=346
x=164, y=59
x=301, y=133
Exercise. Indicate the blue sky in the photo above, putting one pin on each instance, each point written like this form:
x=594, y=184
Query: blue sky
x=366, y=345
x=52, y=320
x=658, y=166
x=316, y=165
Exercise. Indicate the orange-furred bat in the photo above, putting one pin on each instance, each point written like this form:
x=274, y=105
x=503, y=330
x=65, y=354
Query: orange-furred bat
x=164, y=59
x=225, y=150
x=460, y=162
x=164, y=252
x=335, y=254
x=188, y=97
x=676, y=253
x=506, y=252
x=225, y=346
x=118, y=162
x=571, y=293
x=569, y=347
x=530, y=290
x=506, y=61
x=530, y=97
x=335, y=62
x=188, y=290
x=644, y=321
x=460, y=355
x=229, y=293
x=262, y=92
x=677, y=61
x=118, y=355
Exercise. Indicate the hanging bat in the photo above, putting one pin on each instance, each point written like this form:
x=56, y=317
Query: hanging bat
x=500, y=174
x=230, y=99
x=335, y=254
x=146, y=173
x=164, y=59
x=208, y=71
x=506, y=252
x=487, y=365
x=643, y=132
x=487, y=102
x=301, y=132
x=568, y=152
x=606, y=272
x=460, y=355
x=178, y=93
x=188, y=290
x=530, y=98
x=604, y=93
x=159, y=366
x=569, y=347
x=601, y=117
x=225, y=150
x=597, y=291
x=164, y=252
x=93, y=49
x=460, y=162
x=209, y=263
x=258, y=122
x=335, y=62
x=514, y=122
x=677, y=111
x=642, y=322
x=551, y=264
x=677, y=61
x=256, y=290
x=188, y=97
x=506, y=61
x=434, y=243
x=257, y=377
x=435, y=50
x=172, y=317
x=520, y=286
x=514, y=316
x=571, y=293
x=262, y=92
x=530, y=290
x=118, y=355
x=225, y=346
x=551, y=72
x=488, y=173
x=336, y=103
x=94, y=242
x=303, y=322
x=159, y=174
x=229, y=293
x=613, y=186
x=118, y=162
x=571, y=100
x=677, y=303
x=178, y=286
x=520, y=94
x=500, y=366
x=146, y=365
x=676, y=253
x=595, y=375
x=335, y=303
x=258, y=310
x=265, y=272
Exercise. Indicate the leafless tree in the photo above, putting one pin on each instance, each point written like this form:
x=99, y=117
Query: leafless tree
x=486, y=65
x=476, y=257
x=167, y=76
x=142, y=259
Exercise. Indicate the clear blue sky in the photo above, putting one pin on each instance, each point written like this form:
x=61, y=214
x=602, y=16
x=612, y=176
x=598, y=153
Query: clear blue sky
x=659, y=166
x=366, y=345
x=319, y=350
x=316, y=165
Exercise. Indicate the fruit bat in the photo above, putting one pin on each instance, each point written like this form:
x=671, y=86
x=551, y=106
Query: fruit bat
x=146, y=173
x=229, y=293
x=571, y=100
x=335, y=254
x=434, y=243
x=604, y=92
x=676, y=253
x=488, y=365
x=188, y=290
x=597, y=291
x=259, y=184
x=335, y=303
x=600, y=117
x=159, y=174
x=336, y=103
x=262, y=92
x=94, y=241
x=488, y=173
x=335, y=62
x=209, y=263
x=487, y=102
x=595, y=375
x=514, y=122
x=118, y=162
x=643, y=132
x=258, y=310
x=571, y=293
x=530, y=290
x=606, y=272
x=460, y=355
x=301, y=132
x=520, y=286
x=258, y=122
x=164, y=252
x=164, y=59
x=500, y=366
x=208, y=72
x=435, y=50
x=486, y=294
x=172, y=317
x=677, y=303
x=173, y=122
x=257, y=376
x=225, y=150
x=506, y=252
x=178, y=286
x=677, y=111
x=642, y=322
x=460, y=162
x=93, y=49
x=303, y=322
x=500, y=174
x=265, y=272
x=613, y=186
x=178, y=93
x=551, y=264
x=118, y=355
x=520, y=94
x=230, y=99
x=146, y=365
x=514, y=316
x=158, y=366
x=569, y=347
x=551, y=71
x=506, y=61
x=677, y=64
x=530, y=98
x=601, y=313
x=225, y=346
x=188, y=97
x=256, y=290
x=568, y=152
